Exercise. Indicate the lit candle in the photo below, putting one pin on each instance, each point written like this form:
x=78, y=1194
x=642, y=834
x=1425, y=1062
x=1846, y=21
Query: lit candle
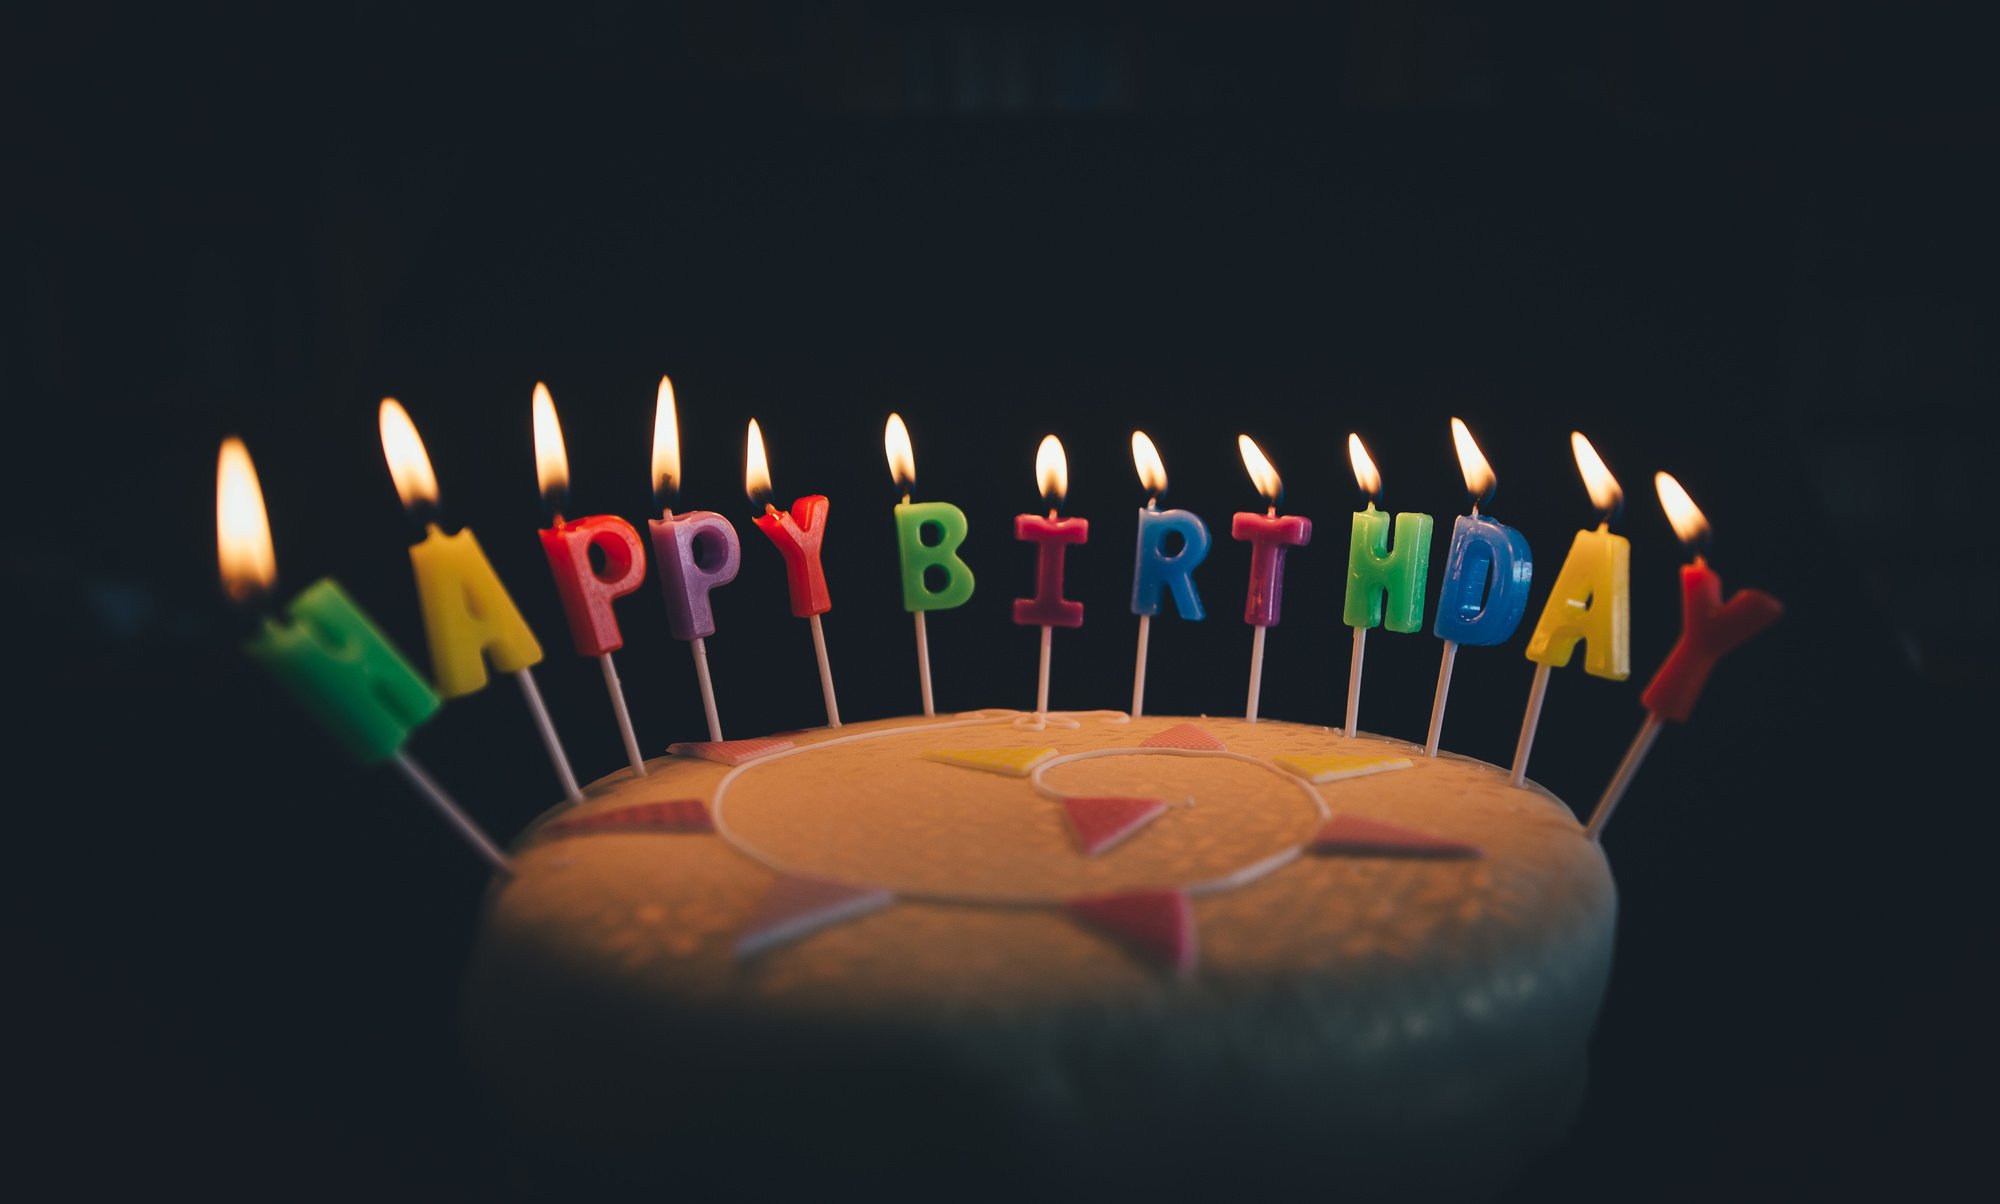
x=918, y=555
x=1269, y=534
x=1155, y=572
x=328, y=654
x=587, y=592
x=468, y=617
x=1052, y=537
x=1710, y=630
x=1590, y=602
x=797, y=537
x=1383, y=587
x=1486, y=577
x=697, y=551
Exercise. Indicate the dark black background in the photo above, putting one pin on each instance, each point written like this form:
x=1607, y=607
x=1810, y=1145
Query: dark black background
x=1748, y=244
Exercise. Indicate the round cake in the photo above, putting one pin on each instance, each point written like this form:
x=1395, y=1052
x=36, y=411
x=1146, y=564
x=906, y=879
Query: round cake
x=994, y=953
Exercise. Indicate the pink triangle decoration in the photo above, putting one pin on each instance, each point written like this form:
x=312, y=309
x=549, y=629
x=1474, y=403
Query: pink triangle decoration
x=1184, y=735
x=672, y=815
x=730, y=752
x=794, y=907
x=1353, y=836
x=1099, y=823
x=1156, y=924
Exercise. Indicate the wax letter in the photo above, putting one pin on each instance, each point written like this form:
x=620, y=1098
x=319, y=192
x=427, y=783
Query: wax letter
x=680, y=543
x=1268, y=535
x=1709, y=631
x=1592, y=602
x=468, y=616
x=586, y=593
x=1156, y=572
x=797, y=536
x=335, y=661
x=1052, y=537
x=913, y=519
x=1486, y=579
x=1373, y=572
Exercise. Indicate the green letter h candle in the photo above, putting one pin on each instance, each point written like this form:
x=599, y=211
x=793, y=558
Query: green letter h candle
x=342, y=669
x=1376, y=575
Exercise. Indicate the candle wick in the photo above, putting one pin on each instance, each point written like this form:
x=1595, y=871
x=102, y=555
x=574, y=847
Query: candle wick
x=906, y=497
x=1271, y=511
x=1153, y=503
x=1052, y=514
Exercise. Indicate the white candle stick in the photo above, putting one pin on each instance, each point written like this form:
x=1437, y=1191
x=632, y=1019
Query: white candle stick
x=1042, y=679
x=547, y=728
x=700, y=649
x=825, y=673
x=924, y=663
x=617, y=692
x=1256, y=673
x=1437, y=703
x=1628, y=769
x=1139, y=668
x=1354, y=683
x=1529, y=718
x=452, y=813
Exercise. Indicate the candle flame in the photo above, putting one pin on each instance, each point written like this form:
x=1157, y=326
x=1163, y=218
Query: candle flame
x=1152, y=470
x=666, y=445
x=1365, y=474
x=1052, y=471
x=1262, y=475
x=551, y=457
x=1479, y=477
x=242, y=528
x=409, y=464
x=756, y=468
x=1605, y=493
x=1689, y=522
x=902, y=457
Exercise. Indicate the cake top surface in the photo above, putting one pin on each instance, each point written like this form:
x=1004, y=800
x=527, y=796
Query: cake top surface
x=955, y=861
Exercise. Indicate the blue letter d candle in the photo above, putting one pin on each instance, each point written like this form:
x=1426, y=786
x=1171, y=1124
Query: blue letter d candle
x=1155, y=572
x=1486, y=579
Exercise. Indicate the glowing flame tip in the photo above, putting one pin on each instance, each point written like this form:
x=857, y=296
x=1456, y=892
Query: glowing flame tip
x=1365, y=474
x=1152, y=469
x=756, y=467
x=409, y=463
x=551, y=456
x=666, y=444
x=1472, y=463
x=1688, y=521
x=1262, y=474
x=1605, y=492
x=1052, y=472
x=902, y=457
x=242, y=528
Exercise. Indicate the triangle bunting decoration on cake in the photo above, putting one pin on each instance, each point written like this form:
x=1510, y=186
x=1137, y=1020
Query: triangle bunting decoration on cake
x=1353, y=836
x=1156, y=924
x=795, y=907
x=730, y=752
x=672, y=815
x=1320, y=768
x=1099, y=823
x=1184, y=735
x=1014, y=762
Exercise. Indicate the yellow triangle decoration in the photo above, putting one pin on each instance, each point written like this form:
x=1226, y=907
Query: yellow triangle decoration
x=1333, y=767
x=1014, y=762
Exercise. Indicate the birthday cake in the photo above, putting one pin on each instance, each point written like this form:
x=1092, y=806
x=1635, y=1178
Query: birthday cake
x=988, y=954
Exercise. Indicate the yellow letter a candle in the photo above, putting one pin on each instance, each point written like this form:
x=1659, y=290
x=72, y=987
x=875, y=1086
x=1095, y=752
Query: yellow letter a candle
x=1591, y=602
x=468, y=616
